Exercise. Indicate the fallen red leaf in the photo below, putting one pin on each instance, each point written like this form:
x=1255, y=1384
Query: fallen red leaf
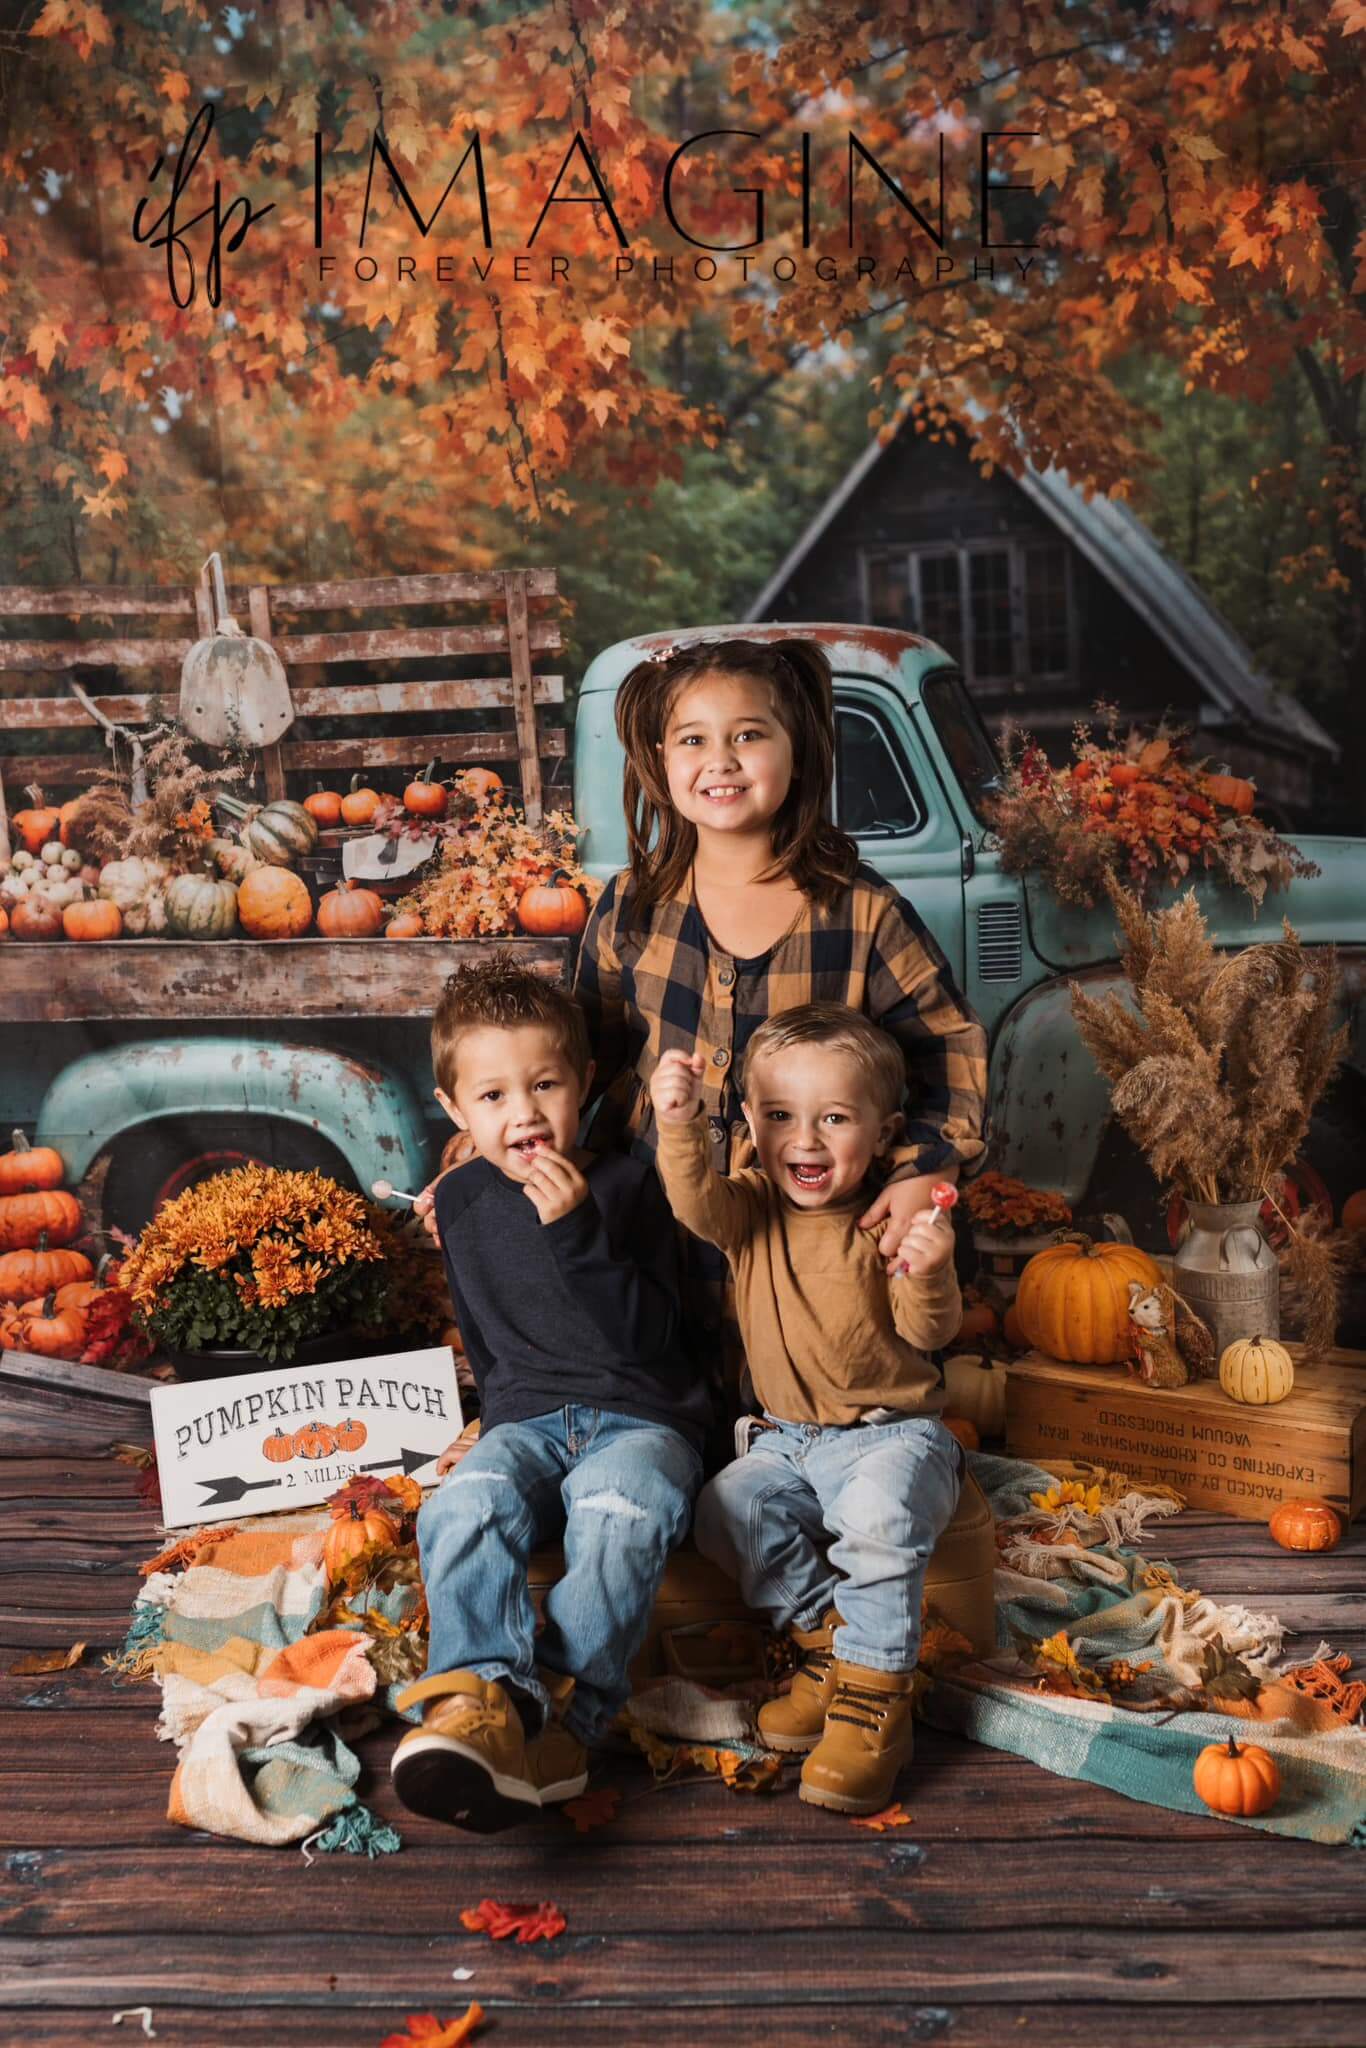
x=435, y=2033
x=593, y=1809
x=39, y=1661
x=890, y=1817
x=528, y=1923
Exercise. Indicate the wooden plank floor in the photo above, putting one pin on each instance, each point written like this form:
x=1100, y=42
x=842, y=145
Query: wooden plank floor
x=1016, y=1906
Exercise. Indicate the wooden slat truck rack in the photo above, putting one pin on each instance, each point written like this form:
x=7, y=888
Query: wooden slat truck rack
x=353, y=649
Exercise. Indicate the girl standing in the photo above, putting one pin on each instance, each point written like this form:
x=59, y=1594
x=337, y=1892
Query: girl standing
x=743, y=899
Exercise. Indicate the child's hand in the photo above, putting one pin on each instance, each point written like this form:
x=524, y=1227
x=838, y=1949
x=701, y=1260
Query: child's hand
x=676, y=1087
x=926, y=1248
x=454, y=1452
x=900, y=1202
x=554, y=1186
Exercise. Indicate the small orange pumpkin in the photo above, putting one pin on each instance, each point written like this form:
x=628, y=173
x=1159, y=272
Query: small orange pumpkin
x=359, y=805
x=34, y=918
x=37, y=825
x=27, y=1169
x=272, y=903
x=1306, y=1525
x=279, y=1447
x=351, y=1435
x=1073, y=1299
x=1232, y=791
x=25, y=1219
x=350, y=912
x=966, y=1432
x=480, y=783
x=98, y=919
x=423, y=797
x=4, y=922
x=1124, y=774
x=1236, y=1778
x=314, y=1440
x=324, y=806
x=1354, y=1212
x=35, y=1270
x=65, y=814
x=50, y=1331
x=349, y=1534
x=407, y=925
x=552, y=910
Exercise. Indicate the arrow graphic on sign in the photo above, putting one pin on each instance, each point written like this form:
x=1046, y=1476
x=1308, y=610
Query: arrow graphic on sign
x=411, y=1461
x=223, y=1492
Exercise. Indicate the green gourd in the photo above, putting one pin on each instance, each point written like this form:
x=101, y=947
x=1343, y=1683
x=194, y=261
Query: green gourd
x=197, y=907
x=278, y=834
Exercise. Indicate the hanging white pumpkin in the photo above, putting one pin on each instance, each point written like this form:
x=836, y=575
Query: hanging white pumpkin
x=233, y=688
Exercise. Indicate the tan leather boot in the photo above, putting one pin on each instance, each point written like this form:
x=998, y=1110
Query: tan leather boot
x=868, y=1737
x=797, y=1720
x=467, y=1763
x=556, y=1761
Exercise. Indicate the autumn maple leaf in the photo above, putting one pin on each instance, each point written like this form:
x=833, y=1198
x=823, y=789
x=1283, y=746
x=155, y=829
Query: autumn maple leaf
x=890, y=1817
x=435, y=2033
x=528, y=1923
x=593, y=1810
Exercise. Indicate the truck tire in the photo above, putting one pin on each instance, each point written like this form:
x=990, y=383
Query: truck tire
x=158, y=1161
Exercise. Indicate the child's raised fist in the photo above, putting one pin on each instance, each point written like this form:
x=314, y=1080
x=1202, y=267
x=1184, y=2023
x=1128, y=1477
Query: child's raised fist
x=676, y=1087
x=926, y=1247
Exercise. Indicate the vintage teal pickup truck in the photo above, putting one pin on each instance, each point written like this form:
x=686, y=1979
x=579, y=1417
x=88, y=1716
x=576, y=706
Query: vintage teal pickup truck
x=914, y=765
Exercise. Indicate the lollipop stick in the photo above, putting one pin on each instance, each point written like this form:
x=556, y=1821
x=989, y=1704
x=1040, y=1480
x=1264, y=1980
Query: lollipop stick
x=383, y=1191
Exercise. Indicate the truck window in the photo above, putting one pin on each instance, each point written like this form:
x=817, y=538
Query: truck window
x=874, y=795
x=963, y=737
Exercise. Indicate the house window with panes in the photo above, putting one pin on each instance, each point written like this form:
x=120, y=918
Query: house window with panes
x=1002, y=608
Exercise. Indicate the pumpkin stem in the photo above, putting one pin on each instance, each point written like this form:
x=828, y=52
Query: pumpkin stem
x=50, y=1305
x=18, y=1142
x=1233, y=1749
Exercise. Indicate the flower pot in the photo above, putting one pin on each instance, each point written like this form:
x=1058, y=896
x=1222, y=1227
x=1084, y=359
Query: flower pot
x=323, y=1349
x=1228, y=1273
x=1001, y=1259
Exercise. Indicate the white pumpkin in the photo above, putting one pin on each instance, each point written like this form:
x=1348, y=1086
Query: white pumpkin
x=146, y=920
x=21, y=860
x=127, y=882
x=71, y=859
x=52, y=853
x=1256, y=1370
x=976, y=1387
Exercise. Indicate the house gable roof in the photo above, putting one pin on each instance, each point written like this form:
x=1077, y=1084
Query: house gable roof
x=1121, y=548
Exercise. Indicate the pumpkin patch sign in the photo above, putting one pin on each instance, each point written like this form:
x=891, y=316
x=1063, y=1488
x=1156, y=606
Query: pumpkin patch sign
x=288, y=1437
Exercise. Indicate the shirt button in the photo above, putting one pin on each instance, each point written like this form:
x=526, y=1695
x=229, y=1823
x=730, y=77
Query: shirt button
x=726, y=976
x=718, y=1130
x=720, y=1058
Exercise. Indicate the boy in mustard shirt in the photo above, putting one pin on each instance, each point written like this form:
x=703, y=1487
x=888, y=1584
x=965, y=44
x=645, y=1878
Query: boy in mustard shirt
x=829, y=1518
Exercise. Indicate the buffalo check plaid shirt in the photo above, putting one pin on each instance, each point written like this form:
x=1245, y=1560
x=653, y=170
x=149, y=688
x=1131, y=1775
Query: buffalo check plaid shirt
x=648, y=989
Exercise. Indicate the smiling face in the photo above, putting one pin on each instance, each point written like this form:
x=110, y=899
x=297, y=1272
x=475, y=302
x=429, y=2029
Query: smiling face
x=727, y=756
x=816, y=1123
x=516, y=1091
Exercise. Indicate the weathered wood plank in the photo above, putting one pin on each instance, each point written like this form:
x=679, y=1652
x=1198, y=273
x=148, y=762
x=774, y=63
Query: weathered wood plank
x=62, y=1374
x=407, y=748
x=53, y=771
x=523, y=702
x=705, y=1973
x=398, y=643
x=20, y=656
x=248, y=977
x=272, y=765
x=333, y=700
x=23, y=599
x=458, y=586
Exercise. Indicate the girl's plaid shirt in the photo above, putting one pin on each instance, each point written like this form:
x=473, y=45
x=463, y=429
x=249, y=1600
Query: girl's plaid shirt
x=648, y=989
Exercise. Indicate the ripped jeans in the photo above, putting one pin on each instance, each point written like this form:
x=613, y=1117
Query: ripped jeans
x=617, y=1491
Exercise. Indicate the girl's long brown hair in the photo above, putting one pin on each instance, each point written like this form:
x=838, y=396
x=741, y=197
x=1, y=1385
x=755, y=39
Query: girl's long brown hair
x=807, y=846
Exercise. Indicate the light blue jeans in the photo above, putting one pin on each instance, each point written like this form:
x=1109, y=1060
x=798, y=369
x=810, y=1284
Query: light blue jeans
x=618, y=1492
x=814, y=1518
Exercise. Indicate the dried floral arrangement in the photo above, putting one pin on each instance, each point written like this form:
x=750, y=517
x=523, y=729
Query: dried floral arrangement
x=1215, y=1070
x=263, y=1259
x=1137, y=807
x=1009, y=1207
x=489, y=859
x=173, y=824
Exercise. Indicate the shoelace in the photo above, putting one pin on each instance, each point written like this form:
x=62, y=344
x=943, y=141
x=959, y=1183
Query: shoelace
x=815, y=1665
x=870, y=1708
x=473, y=1714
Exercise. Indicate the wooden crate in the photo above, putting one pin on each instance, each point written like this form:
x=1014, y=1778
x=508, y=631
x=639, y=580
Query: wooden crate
x=1218, y=1453
x=144, y=631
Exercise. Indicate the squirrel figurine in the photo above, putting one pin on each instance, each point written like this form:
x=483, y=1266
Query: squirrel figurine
x=1170, y=1343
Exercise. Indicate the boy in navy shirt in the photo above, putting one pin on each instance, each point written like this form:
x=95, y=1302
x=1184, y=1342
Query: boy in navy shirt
x=561, y=1266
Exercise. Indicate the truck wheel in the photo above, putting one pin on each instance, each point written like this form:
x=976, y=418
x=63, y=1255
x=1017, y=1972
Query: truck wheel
x=159, y=1161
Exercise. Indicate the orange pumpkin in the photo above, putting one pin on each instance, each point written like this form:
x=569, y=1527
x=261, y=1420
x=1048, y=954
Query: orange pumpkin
x=349, y=1534
x=407, y=925
x=26, y=1169
x=979, y=1322
x=552, y=910
x=1073, y=1299
x=1354, y=1212
x=423, y=797
x=1124, y=774
x=272, y=903
x=98, y=919
x=36, y=826
x=314, y=1440
x=351, y=1435
x=4, y=922
x=1306, y=1525
x=350, y=912
x=65, y=814
x=1231, y=791
x=33, y=917
x=324, y=806
x=278, y=1447
x=50, y=1331
x=359, y=805
x=966, y=1432
x=35, y=1270
x=480, y=783
x=25, y=1219
x=1236, y=1778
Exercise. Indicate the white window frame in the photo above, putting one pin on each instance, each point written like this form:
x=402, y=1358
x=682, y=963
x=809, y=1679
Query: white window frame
x=1016, y=547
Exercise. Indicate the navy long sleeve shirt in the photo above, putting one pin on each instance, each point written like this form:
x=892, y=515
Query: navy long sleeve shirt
x=582, y=1310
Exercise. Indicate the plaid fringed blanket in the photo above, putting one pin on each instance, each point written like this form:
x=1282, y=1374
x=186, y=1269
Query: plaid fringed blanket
x=1106, y=1670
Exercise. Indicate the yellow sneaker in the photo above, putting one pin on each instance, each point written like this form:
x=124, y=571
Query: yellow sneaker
x=467, y=1764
